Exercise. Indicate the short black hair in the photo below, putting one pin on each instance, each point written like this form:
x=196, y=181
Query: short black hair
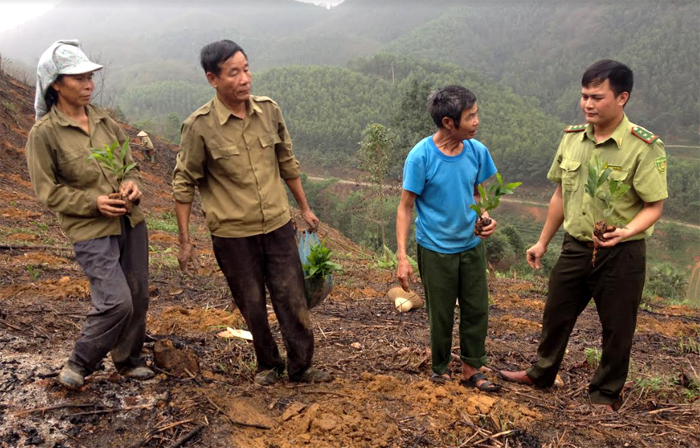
x=449, y=102
x=620, y=76
x=213, y=54
x=51, y=96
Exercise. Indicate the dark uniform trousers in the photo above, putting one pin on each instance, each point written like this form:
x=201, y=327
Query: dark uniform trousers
x=615, y=283
x=271, y=259
x=117, y=269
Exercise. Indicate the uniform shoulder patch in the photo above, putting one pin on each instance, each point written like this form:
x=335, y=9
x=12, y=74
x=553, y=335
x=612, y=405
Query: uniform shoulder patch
x=575, y=128
x=644, y=135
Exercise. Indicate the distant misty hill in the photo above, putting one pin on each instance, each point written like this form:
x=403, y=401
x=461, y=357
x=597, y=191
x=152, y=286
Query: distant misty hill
x=152, y=41
x=537, y=48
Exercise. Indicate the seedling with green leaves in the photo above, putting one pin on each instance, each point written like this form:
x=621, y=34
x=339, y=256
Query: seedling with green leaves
x=600, y=186
x=490, y=200
x=115, y=161
x=318, y=263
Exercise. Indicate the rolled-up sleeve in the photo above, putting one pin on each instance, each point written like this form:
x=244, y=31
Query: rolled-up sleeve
x=58, y=197
x=189, y=167
x=288, y=164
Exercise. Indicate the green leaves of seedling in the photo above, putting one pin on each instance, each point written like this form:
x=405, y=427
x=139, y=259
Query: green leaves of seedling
x=599, y=180
x=318, y=262
x=492, y=198
x=113, y=161
x=597, y=175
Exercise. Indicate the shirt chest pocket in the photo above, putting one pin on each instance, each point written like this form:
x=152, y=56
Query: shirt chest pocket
x=267, y=145
x=615, y=176
x=571, y=174
x=76, y=168
x=227, y=159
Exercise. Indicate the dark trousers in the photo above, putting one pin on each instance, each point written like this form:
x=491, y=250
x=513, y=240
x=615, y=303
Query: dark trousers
x=615, y=283
x=272, y=259
x=447, y=277
x=117, y=269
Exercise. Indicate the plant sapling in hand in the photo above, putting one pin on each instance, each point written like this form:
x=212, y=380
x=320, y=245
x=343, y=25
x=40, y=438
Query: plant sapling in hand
x=490, y=200
x=116, y=163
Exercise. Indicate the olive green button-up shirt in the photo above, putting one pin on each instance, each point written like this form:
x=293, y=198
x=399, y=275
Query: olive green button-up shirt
x=238, y=166
x=67, y=181
x=637, y=163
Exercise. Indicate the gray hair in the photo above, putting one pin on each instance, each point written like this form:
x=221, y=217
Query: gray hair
x=449, y=102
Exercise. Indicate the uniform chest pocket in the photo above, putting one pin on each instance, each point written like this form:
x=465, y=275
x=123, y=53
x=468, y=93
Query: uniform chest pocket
x=571, y=174
x=76, y=168
x=227, y=159
x=615, y=175
x=267, y=143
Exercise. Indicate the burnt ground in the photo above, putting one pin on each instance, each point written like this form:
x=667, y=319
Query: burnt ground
x=381, y=395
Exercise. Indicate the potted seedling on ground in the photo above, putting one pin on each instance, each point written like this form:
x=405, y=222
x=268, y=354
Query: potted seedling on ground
x=318, y=271
x=489, y=200
x=600, y=186
x=116, y=163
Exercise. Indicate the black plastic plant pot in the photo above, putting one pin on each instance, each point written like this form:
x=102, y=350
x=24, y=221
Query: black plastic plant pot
x=317, y=289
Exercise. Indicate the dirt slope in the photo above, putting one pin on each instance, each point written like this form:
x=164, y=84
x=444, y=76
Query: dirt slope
x=381, y=396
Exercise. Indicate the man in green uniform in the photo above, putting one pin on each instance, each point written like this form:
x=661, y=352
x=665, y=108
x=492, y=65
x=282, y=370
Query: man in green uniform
x=637, y=158
x=236, y=150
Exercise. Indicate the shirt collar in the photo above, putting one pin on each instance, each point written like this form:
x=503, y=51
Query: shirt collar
x=617, y=136
x=223, y=113
x=94, y=115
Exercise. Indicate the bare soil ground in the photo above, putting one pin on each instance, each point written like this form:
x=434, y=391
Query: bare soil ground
x=381, y=395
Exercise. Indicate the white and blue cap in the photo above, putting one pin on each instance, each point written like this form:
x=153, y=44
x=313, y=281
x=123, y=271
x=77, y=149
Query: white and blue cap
x=63, y=57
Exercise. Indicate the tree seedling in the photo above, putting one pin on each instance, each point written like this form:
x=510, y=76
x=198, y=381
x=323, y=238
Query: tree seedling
x=490, y=200
x=318, y=263
x=611, y=191
x=116, y=163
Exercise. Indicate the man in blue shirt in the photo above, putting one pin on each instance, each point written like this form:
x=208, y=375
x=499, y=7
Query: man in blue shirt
x=441, y=177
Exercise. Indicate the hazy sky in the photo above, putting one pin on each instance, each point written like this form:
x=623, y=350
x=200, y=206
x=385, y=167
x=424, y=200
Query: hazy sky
x=15, y=13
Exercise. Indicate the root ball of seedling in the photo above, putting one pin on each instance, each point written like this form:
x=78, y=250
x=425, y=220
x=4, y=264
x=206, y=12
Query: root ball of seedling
x=480, y=224
x=600, y=228
x=128, y=205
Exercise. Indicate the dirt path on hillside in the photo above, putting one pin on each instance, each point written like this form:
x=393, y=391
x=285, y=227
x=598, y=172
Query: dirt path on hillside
x=504, y=199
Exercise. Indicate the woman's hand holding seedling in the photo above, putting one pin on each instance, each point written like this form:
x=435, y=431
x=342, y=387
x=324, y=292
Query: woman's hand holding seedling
x=131, y=191
x=113, y=158
x=111, y=208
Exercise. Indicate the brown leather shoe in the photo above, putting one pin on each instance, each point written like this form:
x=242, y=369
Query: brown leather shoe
x=519, y=377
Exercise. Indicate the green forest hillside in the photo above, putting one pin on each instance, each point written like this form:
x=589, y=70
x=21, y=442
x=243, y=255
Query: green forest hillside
x=540, y=49
x=326, y=109
x=335, y=71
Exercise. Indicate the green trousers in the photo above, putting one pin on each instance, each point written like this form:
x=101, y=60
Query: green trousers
x=615, y=283
x=447, y=277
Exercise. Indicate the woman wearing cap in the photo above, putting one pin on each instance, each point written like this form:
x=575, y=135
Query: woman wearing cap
x=111, y=246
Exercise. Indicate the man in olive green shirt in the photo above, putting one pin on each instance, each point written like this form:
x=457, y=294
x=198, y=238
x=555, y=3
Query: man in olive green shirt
x=637, y=158
x=236, y=150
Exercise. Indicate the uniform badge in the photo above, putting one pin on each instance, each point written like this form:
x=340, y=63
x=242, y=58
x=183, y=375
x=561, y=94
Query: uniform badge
x=660, y=164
